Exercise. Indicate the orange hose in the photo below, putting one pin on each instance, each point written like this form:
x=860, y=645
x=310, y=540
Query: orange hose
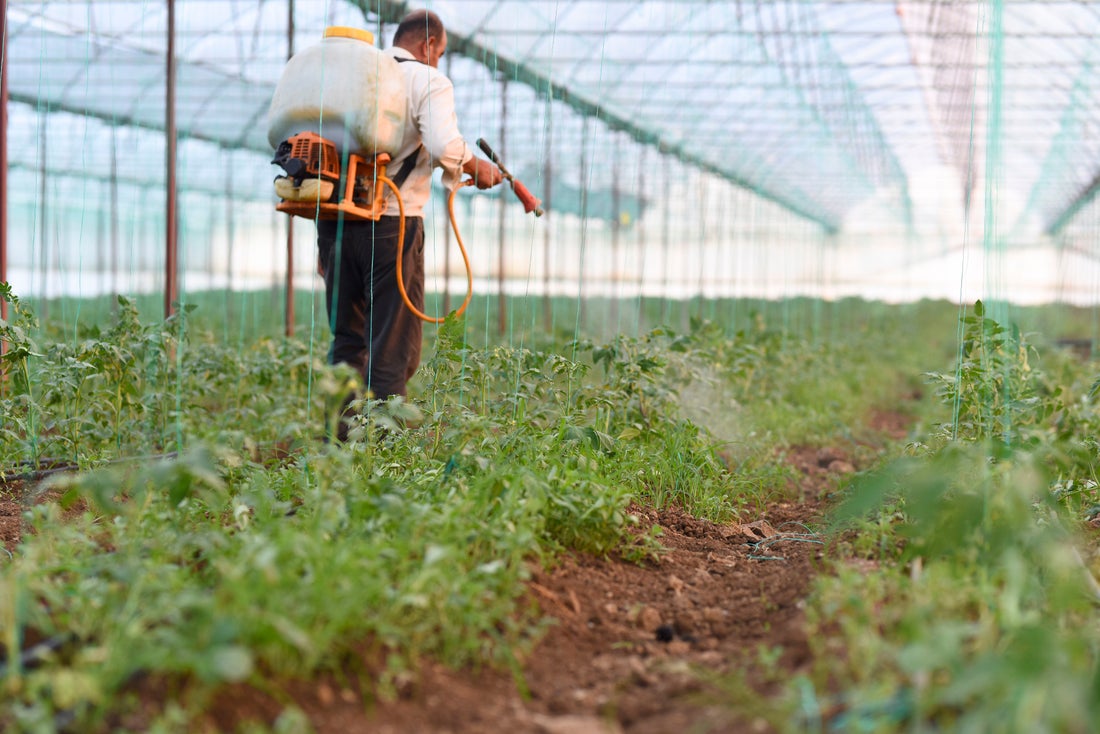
x=401, y=248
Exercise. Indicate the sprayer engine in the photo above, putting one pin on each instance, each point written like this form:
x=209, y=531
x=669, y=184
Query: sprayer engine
x=314, y=186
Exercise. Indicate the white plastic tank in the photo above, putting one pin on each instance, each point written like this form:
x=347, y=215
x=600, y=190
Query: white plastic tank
x=344, y=89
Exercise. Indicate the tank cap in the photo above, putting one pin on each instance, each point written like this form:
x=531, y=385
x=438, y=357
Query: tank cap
x=343, y=31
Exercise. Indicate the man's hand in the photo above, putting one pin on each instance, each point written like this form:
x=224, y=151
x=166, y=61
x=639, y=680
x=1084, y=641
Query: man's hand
x=485, y=174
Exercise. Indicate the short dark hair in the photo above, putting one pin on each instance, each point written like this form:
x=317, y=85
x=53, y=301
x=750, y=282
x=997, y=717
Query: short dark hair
x=419, y=24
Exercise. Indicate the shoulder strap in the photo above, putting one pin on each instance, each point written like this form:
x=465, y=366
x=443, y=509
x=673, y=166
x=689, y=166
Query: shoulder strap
x=406, y=168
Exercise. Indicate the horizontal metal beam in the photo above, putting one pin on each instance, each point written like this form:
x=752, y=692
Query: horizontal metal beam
x=1086, y=196
x=392, y=11
x=127, y=121
x=644, y=61
x=816, y=34
x=244, y=193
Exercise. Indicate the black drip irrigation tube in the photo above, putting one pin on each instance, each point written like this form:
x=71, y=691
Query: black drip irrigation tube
x=32, y=470
x=59, y=645
x=807, y=537
x=63, y=645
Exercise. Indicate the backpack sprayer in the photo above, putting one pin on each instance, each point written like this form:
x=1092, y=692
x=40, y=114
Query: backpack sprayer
x=359, y=103
x=314, y=187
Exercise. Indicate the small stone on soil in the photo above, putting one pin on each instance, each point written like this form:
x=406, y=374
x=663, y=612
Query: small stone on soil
x=714, y=614
x=574, y=725
x=841, y=467
x=828, y=455
x=711, y=658
x=649, y=619
x=679, y=647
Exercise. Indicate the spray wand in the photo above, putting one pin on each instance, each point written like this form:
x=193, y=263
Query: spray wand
x=530, y=203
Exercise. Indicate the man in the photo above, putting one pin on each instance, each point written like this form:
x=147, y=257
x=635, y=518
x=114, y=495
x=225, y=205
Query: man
x=373, y=330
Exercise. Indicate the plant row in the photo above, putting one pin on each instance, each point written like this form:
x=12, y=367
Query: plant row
x=212, y=537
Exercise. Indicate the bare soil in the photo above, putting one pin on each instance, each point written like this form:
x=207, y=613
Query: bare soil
x=11, y=514
x=630, y=648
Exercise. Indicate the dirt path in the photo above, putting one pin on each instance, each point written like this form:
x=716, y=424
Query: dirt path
x=629, y=651
x=633, y=644
x=11, y=514
x=633, y=649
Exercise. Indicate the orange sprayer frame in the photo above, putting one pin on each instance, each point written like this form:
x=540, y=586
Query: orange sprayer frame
x=363, y=177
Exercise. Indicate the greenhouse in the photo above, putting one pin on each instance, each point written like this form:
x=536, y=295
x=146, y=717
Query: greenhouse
x=759, y=395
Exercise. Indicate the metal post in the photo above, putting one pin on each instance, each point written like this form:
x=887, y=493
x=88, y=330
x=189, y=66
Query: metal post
x=724, y=248
x=547, y=187
x=3, y=156
x=615, y=231
x=230, y=235
x=701, y=197
x=101, y=227
x=275, y=288
x=44, y=213
x=640, y=227
x=666, y=237
x=446, y=235
x=584, y=218
x=113, y=187
x=171, y=268
x=289, y=330
x=502, y=314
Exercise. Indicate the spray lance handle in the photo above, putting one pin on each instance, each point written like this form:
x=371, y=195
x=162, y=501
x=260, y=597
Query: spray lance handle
x=530, y=203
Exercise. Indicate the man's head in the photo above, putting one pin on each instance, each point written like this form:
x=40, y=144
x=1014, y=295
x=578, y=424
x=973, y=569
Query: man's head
x=421, y=33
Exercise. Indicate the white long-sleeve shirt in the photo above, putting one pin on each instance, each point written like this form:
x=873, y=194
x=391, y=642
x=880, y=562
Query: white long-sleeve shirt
x=431, y=120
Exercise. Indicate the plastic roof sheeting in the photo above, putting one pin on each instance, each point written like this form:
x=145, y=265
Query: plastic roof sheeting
x=821, y=107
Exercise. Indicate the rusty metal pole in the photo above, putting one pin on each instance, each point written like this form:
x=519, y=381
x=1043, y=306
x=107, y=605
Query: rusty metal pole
x=3, y=157
x=547, y=187
x=502, y=312
x=666, y=238
x=583, y=220
x=701, y=196
x=289, y=330
x=171, y=266
x=616, y=229
x=640, y=229
x=101, y=234
x=447, y=238
x=113, y=188
x=230, y=236
x=44, y=212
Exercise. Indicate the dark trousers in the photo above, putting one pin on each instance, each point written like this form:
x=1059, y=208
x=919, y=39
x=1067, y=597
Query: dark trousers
x=373, y=330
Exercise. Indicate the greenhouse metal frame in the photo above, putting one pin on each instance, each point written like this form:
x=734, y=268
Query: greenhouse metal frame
x=927, y=127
